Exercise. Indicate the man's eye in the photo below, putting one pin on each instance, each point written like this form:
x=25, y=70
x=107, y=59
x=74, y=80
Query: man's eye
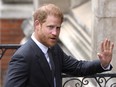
x=58, y=28
x=51, y=26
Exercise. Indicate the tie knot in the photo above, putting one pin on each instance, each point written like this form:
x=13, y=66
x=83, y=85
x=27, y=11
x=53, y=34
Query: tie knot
x=49, y=50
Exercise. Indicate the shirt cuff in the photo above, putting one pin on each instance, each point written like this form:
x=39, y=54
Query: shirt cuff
x=106, y=68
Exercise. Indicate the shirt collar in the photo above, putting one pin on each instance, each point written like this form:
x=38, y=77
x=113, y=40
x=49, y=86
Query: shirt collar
x=40, y=45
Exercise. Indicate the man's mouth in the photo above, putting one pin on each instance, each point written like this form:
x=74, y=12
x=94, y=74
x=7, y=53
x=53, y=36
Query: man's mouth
x=53, y=39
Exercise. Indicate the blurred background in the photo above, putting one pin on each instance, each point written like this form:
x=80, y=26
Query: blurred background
x=86, y=24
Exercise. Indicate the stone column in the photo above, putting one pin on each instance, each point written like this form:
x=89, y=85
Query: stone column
x=104, y=25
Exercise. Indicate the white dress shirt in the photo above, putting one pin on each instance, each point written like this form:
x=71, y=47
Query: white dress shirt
x=42, y=47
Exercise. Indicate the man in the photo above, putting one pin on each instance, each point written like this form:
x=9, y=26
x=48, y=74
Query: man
x=33, y=66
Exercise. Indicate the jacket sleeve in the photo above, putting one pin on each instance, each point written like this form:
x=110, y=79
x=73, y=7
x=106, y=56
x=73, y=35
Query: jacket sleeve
x=75, y=67
x=17, y=72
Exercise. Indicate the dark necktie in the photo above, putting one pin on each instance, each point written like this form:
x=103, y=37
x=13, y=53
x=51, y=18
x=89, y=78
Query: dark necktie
x=51, y=60
x=52, y=65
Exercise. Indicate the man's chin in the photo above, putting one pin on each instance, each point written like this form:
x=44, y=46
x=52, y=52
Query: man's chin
x=52, y=44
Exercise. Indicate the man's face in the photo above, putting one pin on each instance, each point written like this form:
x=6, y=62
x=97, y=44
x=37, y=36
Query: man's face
x=48, y=32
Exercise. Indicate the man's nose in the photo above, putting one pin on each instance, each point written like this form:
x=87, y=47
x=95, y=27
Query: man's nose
x=55, y=31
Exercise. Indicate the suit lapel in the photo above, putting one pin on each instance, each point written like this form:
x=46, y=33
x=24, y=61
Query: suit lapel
x=45, y=67
x=57, y=67
x=40, y=58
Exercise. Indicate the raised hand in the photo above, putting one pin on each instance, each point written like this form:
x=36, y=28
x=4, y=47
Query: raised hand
x=105, y=55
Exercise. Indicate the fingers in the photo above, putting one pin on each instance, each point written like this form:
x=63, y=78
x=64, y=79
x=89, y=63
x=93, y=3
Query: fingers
x=111, y=47
x=102, y=48
x=106, y=45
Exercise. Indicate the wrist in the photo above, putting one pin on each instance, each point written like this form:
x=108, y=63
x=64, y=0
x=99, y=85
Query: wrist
x=105, y=67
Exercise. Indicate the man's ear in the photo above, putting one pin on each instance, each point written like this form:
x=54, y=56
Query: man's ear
x=37, y=24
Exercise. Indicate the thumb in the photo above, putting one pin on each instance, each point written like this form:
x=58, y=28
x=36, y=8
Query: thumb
x=99, y=55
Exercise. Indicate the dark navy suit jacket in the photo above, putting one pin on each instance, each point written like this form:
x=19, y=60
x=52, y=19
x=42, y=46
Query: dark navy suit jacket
x=29, y=68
